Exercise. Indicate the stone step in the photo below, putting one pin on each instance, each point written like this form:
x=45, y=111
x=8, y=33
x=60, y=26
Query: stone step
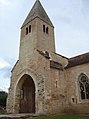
x=17, y=116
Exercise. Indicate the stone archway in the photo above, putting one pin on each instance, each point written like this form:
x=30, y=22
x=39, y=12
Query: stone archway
x=27, y=94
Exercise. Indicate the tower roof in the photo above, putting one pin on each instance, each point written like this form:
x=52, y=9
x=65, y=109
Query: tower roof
x=37, y=11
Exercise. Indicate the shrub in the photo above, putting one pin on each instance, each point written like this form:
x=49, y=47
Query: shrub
x=3, y=97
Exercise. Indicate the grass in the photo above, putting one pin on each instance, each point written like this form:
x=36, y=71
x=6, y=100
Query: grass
x=3, y=113
x=61, y=117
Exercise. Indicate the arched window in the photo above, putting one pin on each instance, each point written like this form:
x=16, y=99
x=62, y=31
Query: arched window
x=26, y=30
x=29, y=28
x=47, y=30
x=43, y=28
x=84, y=86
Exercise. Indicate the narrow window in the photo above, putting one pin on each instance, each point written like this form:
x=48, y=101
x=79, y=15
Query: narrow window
x=47, y=30
x=29, y=28
x=56, y=84
x=73, y=100
x=26, y=31
x=84, y=86
x=43, y=28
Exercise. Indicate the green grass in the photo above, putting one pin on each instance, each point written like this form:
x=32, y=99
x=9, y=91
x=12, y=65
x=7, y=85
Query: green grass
x=3, y=113
x=61, y=117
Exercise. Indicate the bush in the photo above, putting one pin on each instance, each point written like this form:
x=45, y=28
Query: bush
x=3, y=97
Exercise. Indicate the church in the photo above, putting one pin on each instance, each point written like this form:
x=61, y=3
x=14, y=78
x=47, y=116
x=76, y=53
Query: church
x=42, y=81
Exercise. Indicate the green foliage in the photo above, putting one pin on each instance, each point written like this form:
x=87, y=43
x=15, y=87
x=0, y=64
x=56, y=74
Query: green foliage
x=61, y=117
x=3, y=97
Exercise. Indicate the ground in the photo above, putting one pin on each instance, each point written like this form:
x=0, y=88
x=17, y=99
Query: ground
x=45, y=117
x=62, y=117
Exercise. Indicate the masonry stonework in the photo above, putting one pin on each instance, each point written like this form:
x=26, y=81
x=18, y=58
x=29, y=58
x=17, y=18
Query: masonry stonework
x=42, y=81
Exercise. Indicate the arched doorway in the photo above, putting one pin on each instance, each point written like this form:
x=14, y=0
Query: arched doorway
x=27, y=95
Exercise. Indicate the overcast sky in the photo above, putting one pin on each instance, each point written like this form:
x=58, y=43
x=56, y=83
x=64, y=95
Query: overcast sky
x=70, y=19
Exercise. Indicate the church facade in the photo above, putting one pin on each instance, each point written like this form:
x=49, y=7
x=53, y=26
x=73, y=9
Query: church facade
x=42, y=81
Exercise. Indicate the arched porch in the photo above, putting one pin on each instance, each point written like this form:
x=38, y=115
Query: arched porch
x=25, y=95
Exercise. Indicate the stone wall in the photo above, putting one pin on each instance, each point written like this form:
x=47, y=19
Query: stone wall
x=74, y=103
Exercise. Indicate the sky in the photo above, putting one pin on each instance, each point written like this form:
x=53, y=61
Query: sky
x=70, y=19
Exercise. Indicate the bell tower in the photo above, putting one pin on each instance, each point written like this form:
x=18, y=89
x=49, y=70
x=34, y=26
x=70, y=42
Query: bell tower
x=37, y=32
x=31, y=74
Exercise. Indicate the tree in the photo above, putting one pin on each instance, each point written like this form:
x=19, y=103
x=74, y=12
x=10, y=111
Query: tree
x=3, y=97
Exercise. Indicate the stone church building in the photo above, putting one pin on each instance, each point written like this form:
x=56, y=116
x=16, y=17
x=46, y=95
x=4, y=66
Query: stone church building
x=42, y=81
